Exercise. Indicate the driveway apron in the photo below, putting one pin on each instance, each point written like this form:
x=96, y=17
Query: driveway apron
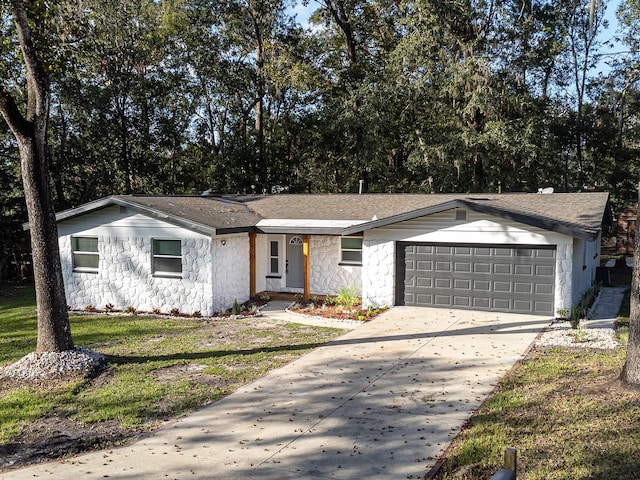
x=381, y=402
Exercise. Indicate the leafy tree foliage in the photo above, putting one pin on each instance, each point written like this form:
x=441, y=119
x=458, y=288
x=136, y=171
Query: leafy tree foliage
x=183, y=96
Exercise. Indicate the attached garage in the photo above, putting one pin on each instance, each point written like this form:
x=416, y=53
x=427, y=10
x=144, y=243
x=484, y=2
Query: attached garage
x=501, y=278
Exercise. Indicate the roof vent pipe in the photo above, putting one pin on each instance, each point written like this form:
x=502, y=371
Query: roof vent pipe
x=360, y=187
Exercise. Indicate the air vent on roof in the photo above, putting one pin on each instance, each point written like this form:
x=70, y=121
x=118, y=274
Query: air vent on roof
x=461, y=214
x=546, y=190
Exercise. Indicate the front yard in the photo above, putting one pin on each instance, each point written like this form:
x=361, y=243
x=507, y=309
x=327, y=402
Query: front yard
x=160, y=368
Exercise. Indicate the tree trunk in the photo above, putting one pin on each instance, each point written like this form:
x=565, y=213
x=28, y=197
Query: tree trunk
x=54, y=334
x=631, y=371
x=30, y=131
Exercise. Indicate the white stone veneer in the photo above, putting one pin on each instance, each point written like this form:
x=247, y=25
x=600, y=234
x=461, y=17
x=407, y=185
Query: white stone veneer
x=327, y=275
x=378, y=273
x=124, y=277
x=230, y=271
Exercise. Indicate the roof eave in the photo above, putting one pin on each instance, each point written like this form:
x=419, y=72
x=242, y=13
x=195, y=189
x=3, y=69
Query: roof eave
x=572, y=230
x=115, y=200
x=300, y=230
x=383, y=222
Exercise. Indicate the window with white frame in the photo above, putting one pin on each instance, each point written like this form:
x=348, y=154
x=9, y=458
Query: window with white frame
x=274, y=257
x=167, y=257
x=84, y=254
x=351, y=250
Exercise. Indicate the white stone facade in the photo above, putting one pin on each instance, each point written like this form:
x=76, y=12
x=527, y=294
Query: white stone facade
x=125, y=279
x=230, y=271
x=378, y=284
x=327, y=275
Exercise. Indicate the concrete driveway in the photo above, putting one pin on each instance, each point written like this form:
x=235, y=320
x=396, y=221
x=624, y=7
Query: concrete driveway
x=381, y=402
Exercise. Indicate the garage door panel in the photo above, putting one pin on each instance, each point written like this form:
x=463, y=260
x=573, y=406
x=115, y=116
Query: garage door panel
x=523, y=269
x=424, y=265
x=461, y=301
x=502, y=268
x=501, y=304
x=544, y=270
x=442, y=300
x=481, y=303
x=543, y=289
x=462, y=267
x=482, y=267
x=500, y=278
x=501, y=286
x=523, y=288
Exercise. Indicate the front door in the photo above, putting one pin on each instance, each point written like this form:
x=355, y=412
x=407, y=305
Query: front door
x=295, y=262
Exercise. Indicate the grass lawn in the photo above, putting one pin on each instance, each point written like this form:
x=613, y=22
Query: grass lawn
x=565, y=411
x=160, y=368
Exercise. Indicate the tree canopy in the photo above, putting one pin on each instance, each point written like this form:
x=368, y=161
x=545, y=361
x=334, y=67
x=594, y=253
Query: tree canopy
x=183, y=96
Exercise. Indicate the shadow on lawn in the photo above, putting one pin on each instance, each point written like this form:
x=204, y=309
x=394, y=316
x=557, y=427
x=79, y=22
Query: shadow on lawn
x=125, y=359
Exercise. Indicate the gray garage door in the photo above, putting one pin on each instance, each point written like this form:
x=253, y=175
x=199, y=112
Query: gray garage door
x=479, y=277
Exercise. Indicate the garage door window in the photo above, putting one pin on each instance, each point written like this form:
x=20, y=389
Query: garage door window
x=351, y=250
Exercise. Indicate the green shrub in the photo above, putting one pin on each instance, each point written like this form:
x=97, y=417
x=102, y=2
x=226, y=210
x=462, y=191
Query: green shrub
x=348, y=298
x=235, y=308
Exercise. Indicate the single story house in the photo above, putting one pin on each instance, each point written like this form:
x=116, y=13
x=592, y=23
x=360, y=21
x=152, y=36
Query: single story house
x=517, y=252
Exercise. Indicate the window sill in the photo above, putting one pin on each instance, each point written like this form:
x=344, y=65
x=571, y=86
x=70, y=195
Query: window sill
x=85, y=270
x=273, y=276
x=167, y=275
x=349, y=264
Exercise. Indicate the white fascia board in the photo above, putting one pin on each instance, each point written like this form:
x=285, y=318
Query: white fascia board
x=305, y=226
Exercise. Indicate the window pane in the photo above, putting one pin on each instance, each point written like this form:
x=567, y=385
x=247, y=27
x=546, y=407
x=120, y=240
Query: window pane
x=85, y=244
x=352, y=257
x=168, y=265
x=274, y=249
x=351, y=243
x=81, y=260
x=167, y=247
x=274, y=265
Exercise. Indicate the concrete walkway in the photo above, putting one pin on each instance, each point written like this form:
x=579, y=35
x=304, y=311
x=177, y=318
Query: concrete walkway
x=604, y=311
x=381, y=402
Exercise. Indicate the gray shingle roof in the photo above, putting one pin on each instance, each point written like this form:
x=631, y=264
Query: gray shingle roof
x=575, y=214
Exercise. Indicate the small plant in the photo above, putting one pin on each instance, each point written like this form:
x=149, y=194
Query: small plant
x=90, y=308
x=299, y=297
x=253, y=309
x=562, y=313
x=155, y=310
x=235, y=308
x=175, y=312
x=265, y=297
x=348, y=298
x=581, y=333
x=315, y=299
x=130, y=309
x=109, y=307
x=197, y=314
x=576, y=315
x=329, y=300
x=361, y=318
